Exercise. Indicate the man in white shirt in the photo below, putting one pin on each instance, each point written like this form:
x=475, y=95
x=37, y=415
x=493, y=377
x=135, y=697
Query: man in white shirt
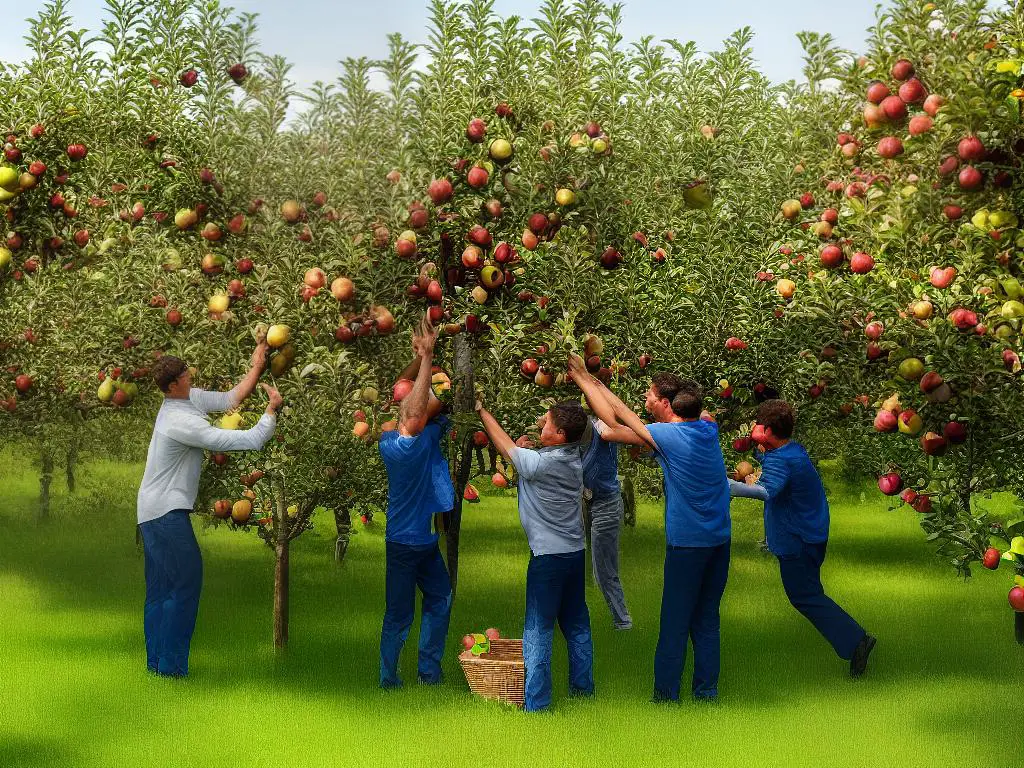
x=170, y=484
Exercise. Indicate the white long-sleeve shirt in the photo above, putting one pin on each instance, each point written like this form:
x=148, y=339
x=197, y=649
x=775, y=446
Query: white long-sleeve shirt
x=180, y=435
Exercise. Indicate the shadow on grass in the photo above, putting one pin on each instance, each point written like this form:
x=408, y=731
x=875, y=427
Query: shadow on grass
x=20, y=752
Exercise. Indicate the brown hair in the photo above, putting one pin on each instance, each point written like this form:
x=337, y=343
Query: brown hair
x=570, y=418
x=689, y=401
x=166, y=370
x=666, y=385
x=777, y=415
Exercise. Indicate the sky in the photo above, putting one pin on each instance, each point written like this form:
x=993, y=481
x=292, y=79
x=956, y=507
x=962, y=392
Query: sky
x=315, y=34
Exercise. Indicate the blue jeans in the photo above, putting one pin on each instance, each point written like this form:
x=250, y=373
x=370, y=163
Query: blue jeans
x=555, y=591
x=174, y=579
x=694, y=584
x=801, y=578
x=409, y=567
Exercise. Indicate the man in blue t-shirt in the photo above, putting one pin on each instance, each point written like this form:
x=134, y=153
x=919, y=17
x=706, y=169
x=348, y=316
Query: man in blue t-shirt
x=697, y=524
x=419, y=486
x=550, y=492
x=796, y=524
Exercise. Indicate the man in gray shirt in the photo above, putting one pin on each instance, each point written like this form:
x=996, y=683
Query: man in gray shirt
x=550, y=493
x=170, y=484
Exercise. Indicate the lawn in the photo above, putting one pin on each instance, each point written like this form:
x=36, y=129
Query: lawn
x=943, y=688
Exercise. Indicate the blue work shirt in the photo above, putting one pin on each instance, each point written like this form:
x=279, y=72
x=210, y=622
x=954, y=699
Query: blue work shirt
x=601, y=465
x=550, y=498
x=796, y=510
x=419, y=484
x=696, y=486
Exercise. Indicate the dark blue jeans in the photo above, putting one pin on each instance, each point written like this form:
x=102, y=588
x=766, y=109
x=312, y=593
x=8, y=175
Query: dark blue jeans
x=407, y=568
x=556, y=591
x=801, y=578
x=174, y=579
x=694, y=584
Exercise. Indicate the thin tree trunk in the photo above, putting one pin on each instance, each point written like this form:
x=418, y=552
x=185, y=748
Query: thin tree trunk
x=280, y=566
x=45, y=480
x=1018, y=627
x=343, y=522
x=465, y=399
x=69, y=467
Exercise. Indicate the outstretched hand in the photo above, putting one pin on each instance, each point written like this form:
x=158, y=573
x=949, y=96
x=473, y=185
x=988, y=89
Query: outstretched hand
x=274, y=397
x=576, y=366
x=424, y=338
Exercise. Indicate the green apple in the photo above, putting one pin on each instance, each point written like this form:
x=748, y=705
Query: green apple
x=1000, y=219
x=1012, y=309
x=105, y=392
x=911, y=369
x=1012, y=287
x=980, y=219
x=9, y=178
x=1017, y=545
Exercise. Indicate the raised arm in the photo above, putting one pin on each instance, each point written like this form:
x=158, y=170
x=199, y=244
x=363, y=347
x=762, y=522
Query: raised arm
x=622, y=413
x=257, y=363
x=198, y=433
x=503, y=444
x=414, y=406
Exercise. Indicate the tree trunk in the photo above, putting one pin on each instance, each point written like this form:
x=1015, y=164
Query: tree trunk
x=1018, y=627
x=280, y=566
x=69, y=467
x=628, y=501
x=281, y=595
x=465, y=399
x=45, y=479
x=343, y=522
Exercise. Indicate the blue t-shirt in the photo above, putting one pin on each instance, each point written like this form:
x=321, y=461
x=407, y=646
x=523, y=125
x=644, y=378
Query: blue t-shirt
x=419, y=484
x=796, y=510
x=550, y=498
x=601, y=466
x=696, y=487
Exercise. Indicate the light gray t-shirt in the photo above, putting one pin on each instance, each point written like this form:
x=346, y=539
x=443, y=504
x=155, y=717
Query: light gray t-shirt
x=180, y=435
x=550, y=497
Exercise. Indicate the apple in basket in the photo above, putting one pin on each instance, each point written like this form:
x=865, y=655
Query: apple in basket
x=492, y=634
x=468, y=641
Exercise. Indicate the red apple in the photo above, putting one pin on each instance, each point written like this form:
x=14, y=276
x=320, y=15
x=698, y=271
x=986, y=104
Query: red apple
x=913, y=91
x=468, y=641
x=472, y=257
x=886, y=421
x=476, y=130
x=970, y=149
x=440, y=191
x=492, y=634
x=479, y=236
x=189, y=78
x=933, y=444
x=920, y=124
x=529, y=368
x=861, y=263
x=953, y=212
x=538, y=224
x=902, y=70
x=933, y=104
x=942, y=277
x=173, y=317
x=991, y=558
x=894, y=107
x=1016, y=598
x=477, y=177
x=874, y=330
x=831, y=256
x=970, y=178
x=890, y=147
x=876, y=92
x=955, y=432
x=23, y=383
x=890, y=483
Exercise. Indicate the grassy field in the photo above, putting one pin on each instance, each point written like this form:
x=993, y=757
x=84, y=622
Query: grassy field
x=943, y=689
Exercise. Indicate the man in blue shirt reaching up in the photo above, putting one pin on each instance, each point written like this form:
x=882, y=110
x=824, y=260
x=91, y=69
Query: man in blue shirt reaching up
x=796, y=523
x=697, y=524
x=419, y=485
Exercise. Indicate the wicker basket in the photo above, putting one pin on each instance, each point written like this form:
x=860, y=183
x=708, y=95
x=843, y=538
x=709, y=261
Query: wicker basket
x=498, y=674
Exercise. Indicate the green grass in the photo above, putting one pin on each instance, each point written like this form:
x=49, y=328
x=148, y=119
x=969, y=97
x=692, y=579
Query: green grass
x=943, y=688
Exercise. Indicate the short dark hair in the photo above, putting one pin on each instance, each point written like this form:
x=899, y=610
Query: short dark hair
x=689, y=400
x=778, y=416
x=166, y=370
x=570, y=418
x=666, y=385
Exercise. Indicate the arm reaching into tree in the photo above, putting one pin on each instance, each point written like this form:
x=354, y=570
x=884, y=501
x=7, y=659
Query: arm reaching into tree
x=414, y=406
x=594, y=391
x=622, y=412
x=208, y=401
x=503, y=444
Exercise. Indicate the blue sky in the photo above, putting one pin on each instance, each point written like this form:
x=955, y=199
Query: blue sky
x=315, y=34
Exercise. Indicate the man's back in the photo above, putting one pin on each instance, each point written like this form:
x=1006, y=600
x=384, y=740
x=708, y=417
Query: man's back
x=797, y=507
x=696, y=486
x=550, y=495
x=418, y=483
